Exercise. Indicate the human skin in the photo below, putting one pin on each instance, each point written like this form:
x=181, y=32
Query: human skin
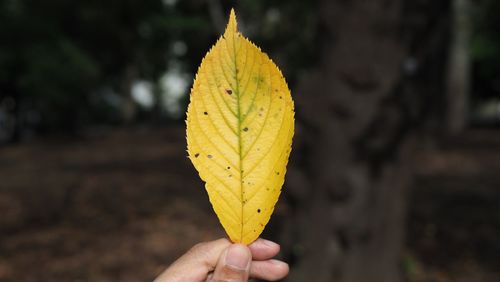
x=221, y=260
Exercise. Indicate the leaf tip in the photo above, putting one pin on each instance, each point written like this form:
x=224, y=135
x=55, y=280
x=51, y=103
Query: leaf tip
x=232, y=25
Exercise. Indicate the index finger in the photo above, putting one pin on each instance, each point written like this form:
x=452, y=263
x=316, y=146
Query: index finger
x=263, y=249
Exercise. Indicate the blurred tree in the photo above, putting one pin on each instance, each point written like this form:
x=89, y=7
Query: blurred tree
x=459, y=67
x=378, y=83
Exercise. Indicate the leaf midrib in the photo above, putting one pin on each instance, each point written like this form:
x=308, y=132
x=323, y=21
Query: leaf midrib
x=240, y=143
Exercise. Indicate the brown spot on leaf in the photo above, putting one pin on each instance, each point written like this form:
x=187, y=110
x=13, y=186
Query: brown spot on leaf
x=196, y=155
x=245, y=129
x=209, y=156
x=229, y=91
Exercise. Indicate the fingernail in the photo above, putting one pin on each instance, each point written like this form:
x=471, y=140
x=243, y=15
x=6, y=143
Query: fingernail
x=238, y=257
x=277, y=262
x=269, y=243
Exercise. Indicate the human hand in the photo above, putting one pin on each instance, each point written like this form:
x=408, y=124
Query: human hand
x=220, y=260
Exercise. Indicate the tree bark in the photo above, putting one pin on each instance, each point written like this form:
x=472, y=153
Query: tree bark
x=352, y=158
x=459, y=68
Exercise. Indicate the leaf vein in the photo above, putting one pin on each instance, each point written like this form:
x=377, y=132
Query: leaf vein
x=265, y=121
x=210, y=141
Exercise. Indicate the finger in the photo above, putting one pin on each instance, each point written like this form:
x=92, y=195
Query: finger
x=196, y=263
x=233, y=264
x=263, y=249
x=270, y=270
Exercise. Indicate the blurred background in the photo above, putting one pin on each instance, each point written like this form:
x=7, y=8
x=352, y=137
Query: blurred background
x=394, y=169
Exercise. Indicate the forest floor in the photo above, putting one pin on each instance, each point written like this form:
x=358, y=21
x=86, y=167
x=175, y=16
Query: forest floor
x=121, y=205
x=453, y=232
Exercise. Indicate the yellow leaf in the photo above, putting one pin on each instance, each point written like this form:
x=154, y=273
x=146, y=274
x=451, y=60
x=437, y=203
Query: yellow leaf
x=240, y=124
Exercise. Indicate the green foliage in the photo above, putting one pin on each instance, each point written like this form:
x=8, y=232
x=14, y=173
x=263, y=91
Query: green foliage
x=57, y=56
x=485, y=45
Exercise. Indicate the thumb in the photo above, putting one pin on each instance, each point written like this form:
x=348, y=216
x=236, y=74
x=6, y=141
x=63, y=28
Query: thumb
x=196, y=264
x=233, y=264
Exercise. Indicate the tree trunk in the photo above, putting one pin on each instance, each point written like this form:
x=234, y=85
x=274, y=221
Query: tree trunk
x=352, y=158
x=459, y=68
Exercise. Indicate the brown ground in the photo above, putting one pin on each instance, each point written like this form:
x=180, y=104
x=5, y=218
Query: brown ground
x=454, y=218
x=114, y=207
x=119, y=206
